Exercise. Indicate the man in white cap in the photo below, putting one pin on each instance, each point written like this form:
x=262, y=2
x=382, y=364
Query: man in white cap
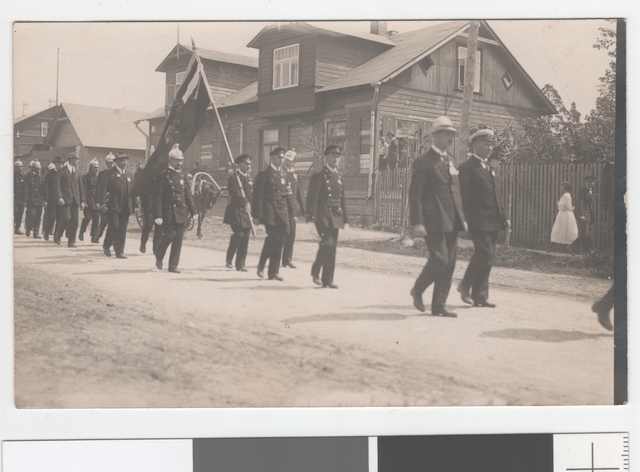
x=33, y=197
x=49, y=218
x=114, y=197
x=109, y=161
x=18, y=203
x=437, y=215
x=90, y=206
x=172, y=202
x=295, y=202
x=485, y=215
x=69, y=195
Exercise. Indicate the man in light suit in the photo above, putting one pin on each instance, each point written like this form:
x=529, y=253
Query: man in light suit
x=437, y=215
x=269, y=206
x=114, y=199
x=69, y=194
x=326, y=207
x=486, y=217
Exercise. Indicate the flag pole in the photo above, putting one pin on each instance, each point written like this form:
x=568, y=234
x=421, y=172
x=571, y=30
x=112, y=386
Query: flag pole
x=224, y=135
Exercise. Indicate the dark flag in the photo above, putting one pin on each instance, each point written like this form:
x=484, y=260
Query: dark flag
x=187, y=115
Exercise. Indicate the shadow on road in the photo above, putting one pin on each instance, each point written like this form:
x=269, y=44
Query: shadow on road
x=205, y=279
x=542, y=335
x=120, y=271
x=348, y=317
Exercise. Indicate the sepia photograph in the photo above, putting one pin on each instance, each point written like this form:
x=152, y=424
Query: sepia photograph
x=319, y=214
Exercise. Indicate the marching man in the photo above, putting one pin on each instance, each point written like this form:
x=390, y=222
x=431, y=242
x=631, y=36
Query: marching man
x=295, y=203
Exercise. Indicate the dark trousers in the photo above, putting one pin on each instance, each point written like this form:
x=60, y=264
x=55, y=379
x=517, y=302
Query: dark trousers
x=49, y=218
x=67, y=220
x=439, y=268
x=476, y=278
x=606, y=302
x=272, y=249
x=104, y=221
x=18, y=210
x=326, y=256
x=584, y=243
x=32, y=219
x=238, y=245
x=146, y=230
x=172, y=233
x=92, y=216
x=289, y=239
x=116, y=230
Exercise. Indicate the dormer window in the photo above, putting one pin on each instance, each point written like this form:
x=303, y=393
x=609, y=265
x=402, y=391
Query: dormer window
x=44, y=129
x=180, y=78
x=462, y=60
x=285, y=66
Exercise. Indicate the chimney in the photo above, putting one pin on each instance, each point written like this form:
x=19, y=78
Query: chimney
x=379, y=28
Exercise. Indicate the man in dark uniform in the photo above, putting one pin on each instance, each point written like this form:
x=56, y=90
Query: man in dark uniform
x=33, y=197
x=437, y=215
x=90, y=206
x=584, y=215
x=486, y=217
x=146, y=204
x=295, y=203
x=172, y=203
x=326, y=207
x=69, y=195
x=50, y=197
x=103, y=217
x=392, y=151
x=18, y=203
x=114, y=198
x=269, y=205
x=238, y=212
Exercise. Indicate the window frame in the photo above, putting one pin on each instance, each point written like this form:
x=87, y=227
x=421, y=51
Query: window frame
x=44, y=129
x=278, y=67
x=264, y=157
x=477, y=88
x=182, y=75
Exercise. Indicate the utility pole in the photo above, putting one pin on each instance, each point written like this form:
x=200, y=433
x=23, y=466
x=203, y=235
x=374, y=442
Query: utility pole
x=467, y=95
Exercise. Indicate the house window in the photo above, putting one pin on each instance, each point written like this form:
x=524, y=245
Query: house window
x=507, y=80
x=285, y=66
x=269, y=143
x=44, y=129
x=180, y=78
x=153, y=128
x=462, y=59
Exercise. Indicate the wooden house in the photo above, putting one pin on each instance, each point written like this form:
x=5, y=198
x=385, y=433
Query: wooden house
x=91, y=132
x=315, y=85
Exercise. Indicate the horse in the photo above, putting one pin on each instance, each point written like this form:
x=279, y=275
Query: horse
x=205, y=192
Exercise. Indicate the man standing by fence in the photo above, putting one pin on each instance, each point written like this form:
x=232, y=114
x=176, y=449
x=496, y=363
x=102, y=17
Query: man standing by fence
x=485, y=215
x=584, y=215
x=436, y=214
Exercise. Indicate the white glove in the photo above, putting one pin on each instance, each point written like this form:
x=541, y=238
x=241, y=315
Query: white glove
x=419, y=231
x=346, y=226
x=158, y=221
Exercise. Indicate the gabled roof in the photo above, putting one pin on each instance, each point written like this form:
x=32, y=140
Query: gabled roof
x=317, y=27
x=209, y=55
x=159, y=113
x=249, y=94
x=410, y=48
x=106, y=127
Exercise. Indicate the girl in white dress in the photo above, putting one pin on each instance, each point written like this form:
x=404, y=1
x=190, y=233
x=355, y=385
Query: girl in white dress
x=565, y=229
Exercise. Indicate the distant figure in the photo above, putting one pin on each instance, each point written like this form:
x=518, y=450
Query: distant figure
x=584, y=215
x=18, y=203
x=382, y=154
x=49, y=219
x=69, y=195
x=115, y=198
x=565, y=229
x=295, y=201
x=393, y=151
x=238, y=212
x=33, y=198
x=109, y=161
x=90, y=206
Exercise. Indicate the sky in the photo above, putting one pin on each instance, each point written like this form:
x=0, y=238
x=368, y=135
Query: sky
x=113, y=64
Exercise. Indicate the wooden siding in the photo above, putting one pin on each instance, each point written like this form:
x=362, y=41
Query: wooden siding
x=65, y=135
x=337, y=56
x=288, y=101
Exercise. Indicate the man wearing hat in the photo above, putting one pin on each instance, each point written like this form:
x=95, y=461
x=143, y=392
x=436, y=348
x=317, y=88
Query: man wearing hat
x=392, y=150
x=109, y=161
x=269, y=205
x=69, y=196
x=18, y=203
x=238, y=212
x=50, y=213
x=90, y=206
x=295, y=204
x=485, y=214
x=114, y=199
x=33, y=197
x=584, y=215
x=326, y=207
x=437, y=215
x=172, y=203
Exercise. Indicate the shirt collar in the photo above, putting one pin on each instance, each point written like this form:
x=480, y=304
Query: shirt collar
x=119, y=169
x=241, y=173
x=484, y=161
x=171, y=167
x=274, y=167
x=442, y=153
x=331, y=169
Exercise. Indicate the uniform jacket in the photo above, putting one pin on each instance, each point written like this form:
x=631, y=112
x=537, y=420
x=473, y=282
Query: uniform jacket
x=235, y=215
x=114, y=190
x=326, y=204
x=89, y=184
x=434, y=194
x=584, y=205
x=18, y=179
x=33, y=189
x=295, y=200
x=269, y=199
x=392, y=151
x=50, y=186
x=68, y=187
x=480, y=197
x=172, y=199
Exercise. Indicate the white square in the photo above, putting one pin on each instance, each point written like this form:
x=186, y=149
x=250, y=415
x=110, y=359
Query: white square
x=601, y=452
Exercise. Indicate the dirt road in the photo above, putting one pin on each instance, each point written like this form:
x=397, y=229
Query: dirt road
x=92, y=331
